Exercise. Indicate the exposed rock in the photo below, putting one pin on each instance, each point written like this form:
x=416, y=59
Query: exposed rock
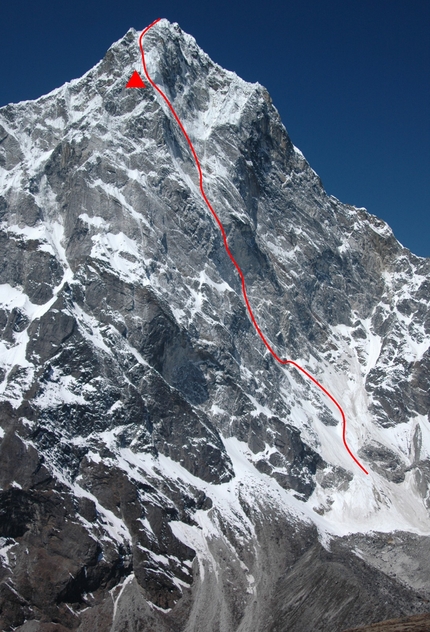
x=416, y=623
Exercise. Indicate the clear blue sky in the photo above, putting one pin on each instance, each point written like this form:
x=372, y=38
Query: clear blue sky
x=350, y=78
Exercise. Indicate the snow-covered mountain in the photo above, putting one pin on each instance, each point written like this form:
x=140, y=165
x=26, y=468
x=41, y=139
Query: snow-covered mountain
x=159, y=470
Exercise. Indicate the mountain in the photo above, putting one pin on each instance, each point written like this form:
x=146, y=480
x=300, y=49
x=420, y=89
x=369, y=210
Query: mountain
x=159, y=470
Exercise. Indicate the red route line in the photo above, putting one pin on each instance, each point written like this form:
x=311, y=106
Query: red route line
x=236, y=265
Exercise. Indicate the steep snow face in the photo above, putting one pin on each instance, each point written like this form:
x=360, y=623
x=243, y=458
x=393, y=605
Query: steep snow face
x=135, y=389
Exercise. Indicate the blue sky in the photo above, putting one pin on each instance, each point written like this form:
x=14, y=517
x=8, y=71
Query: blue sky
x=350, y=78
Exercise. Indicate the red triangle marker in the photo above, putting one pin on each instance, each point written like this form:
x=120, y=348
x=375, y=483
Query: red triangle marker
x=135, y=81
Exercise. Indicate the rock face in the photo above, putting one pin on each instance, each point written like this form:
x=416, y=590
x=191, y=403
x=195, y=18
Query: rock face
x=158, y=470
